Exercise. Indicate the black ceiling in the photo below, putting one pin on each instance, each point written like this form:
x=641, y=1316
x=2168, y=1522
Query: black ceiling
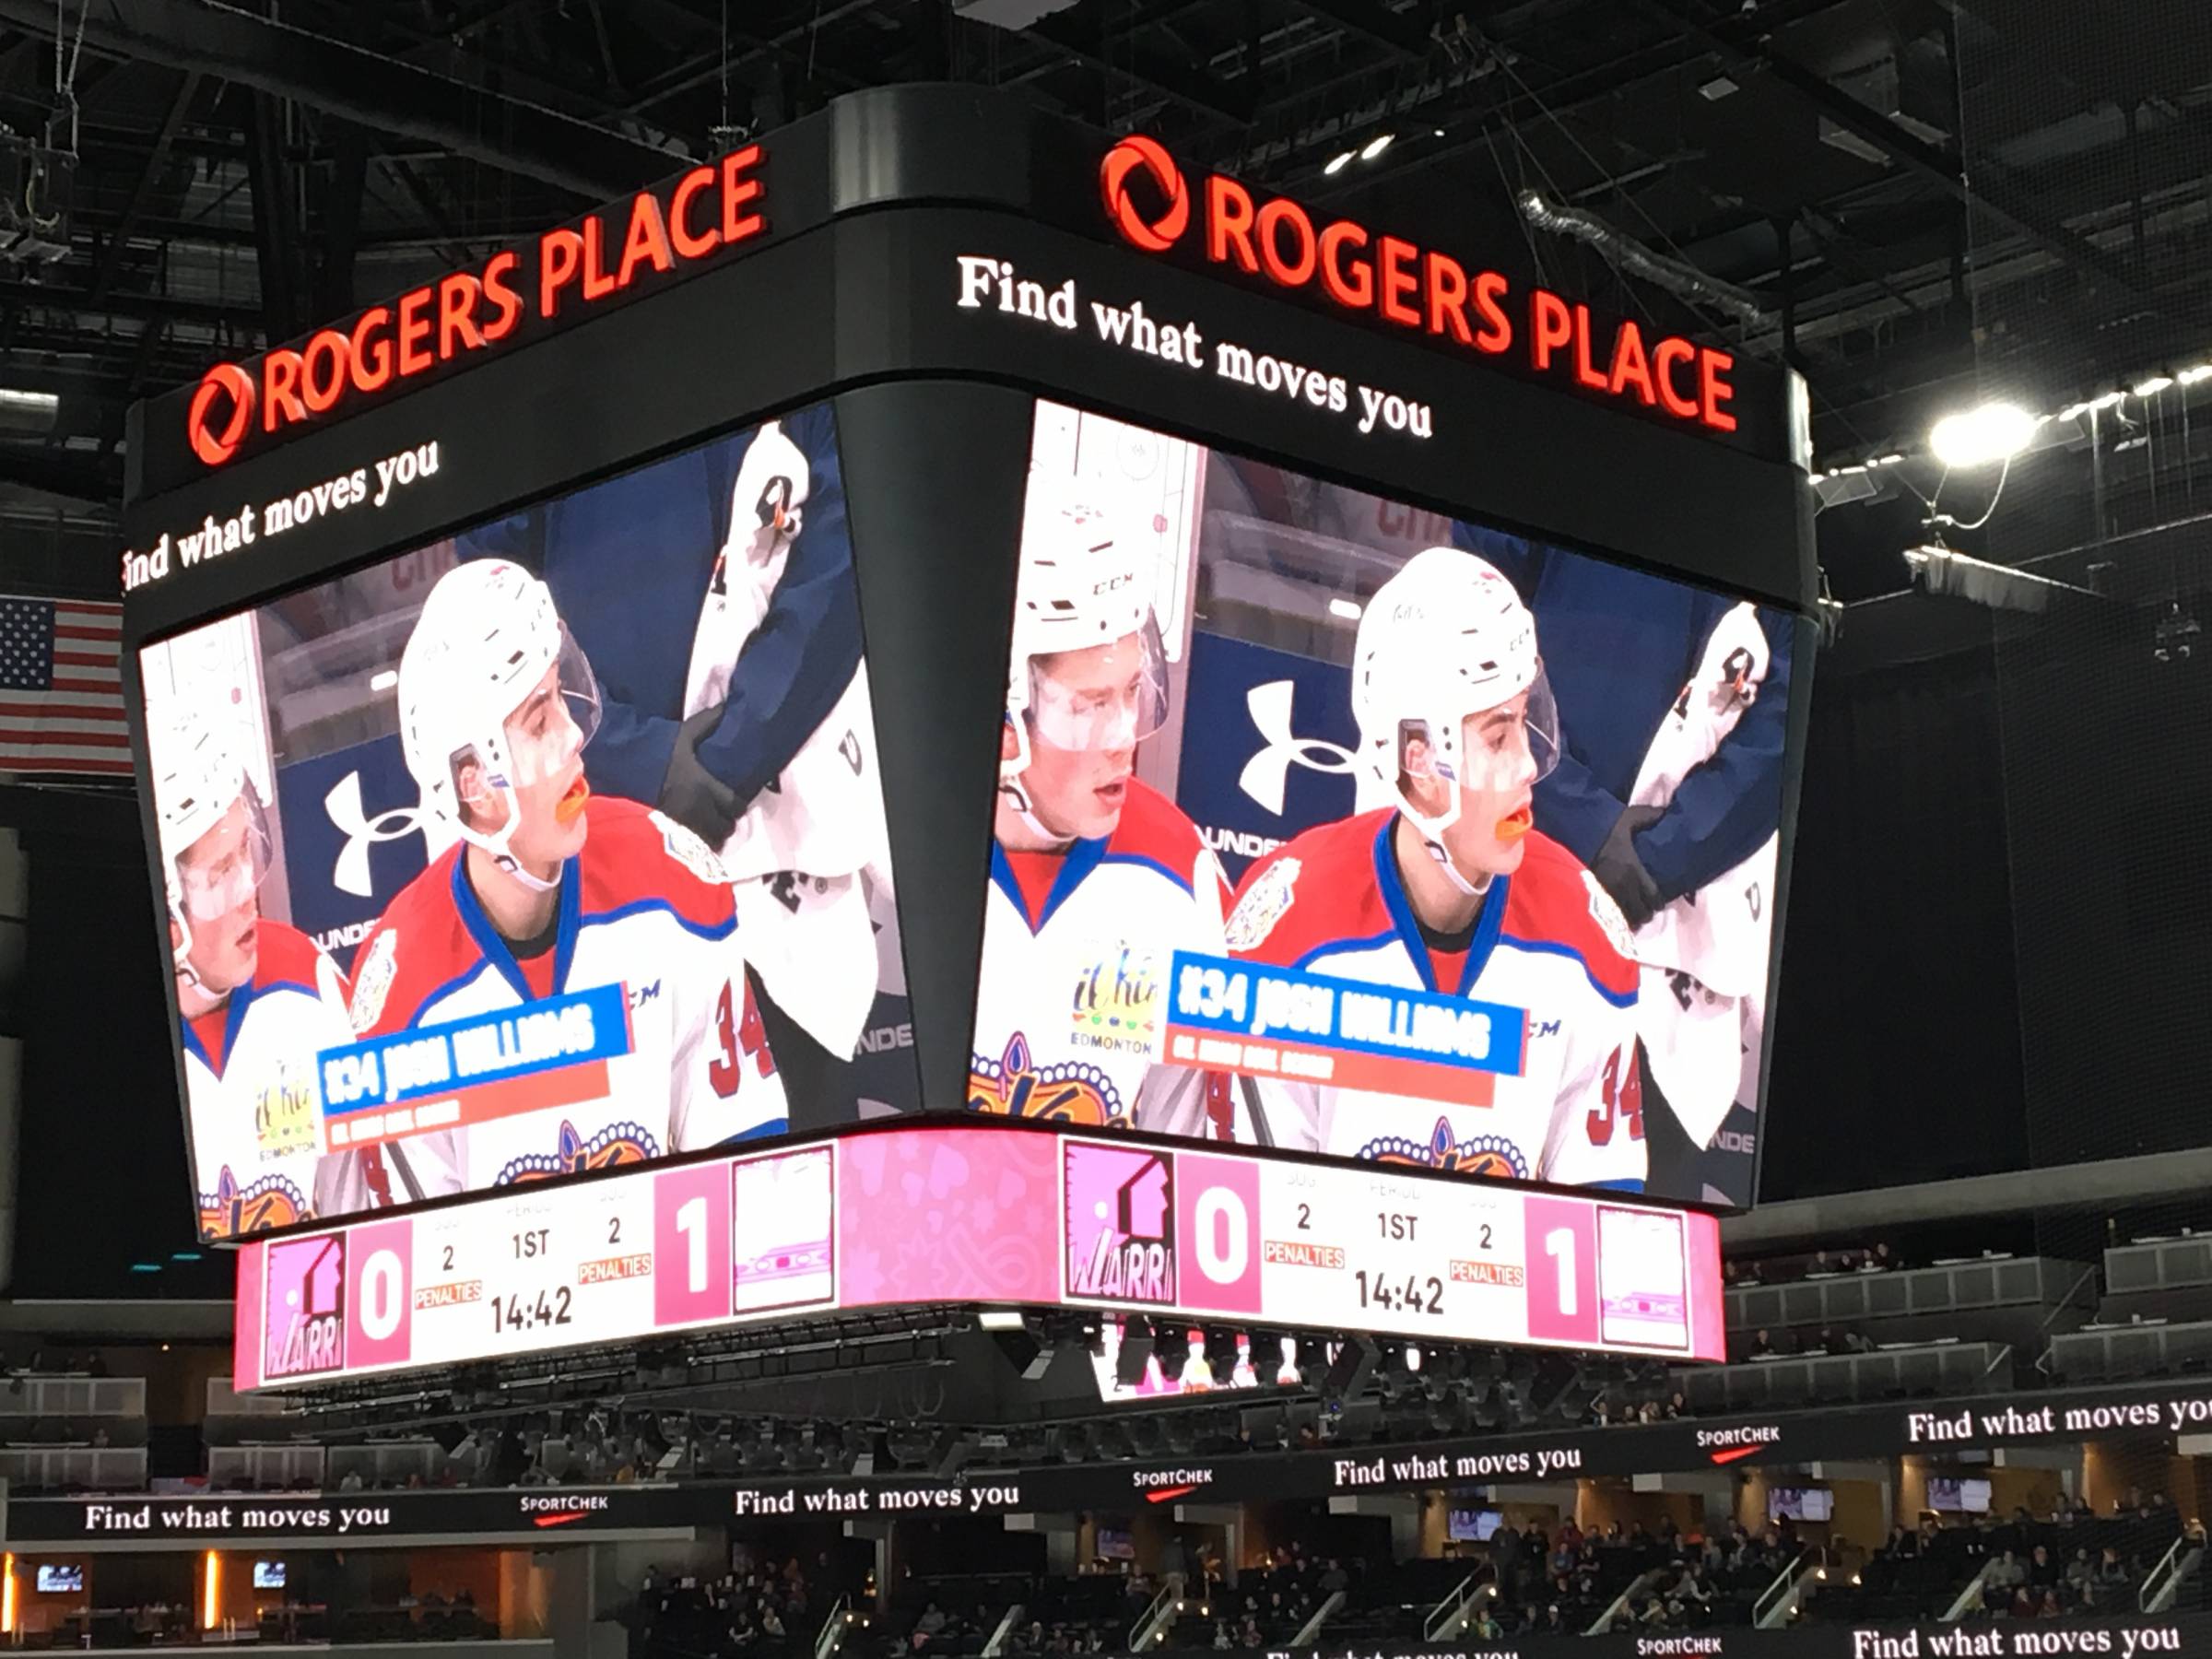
x=1922, y=196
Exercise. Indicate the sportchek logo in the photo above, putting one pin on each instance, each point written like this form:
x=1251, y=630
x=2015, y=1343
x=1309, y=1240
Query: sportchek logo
x=1733, y=1445
x=561, y=1511
x=1164, y=1486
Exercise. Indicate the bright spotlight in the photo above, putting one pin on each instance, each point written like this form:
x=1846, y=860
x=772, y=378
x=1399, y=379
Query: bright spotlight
x=1413, y=1357
x=2153, y=386
x=1337, y=163
x=1376, y=146
x=1995, y=431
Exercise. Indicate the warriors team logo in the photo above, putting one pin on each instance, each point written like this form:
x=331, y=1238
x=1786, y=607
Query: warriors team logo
x=1016, y=1085
x=304, y=1325
x=1120, y=1204
x=230, y=1212
x=616, y=1144
x=1492, y=1156
x=1115, y=1004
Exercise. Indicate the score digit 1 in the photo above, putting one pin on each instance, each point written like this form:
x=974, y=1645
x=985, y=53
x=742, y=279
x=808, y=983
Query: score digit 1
x=691, y=1262
x=1218, y=1230
x=380, y=1294
x=1563, y=1270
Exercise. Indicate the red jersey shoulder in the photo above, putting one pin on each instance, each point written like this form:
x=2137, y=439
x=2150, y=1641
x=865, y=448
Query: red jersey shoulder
x=633, y=855
x=418, y=944
x=1154, y=829
x=1318, y=889
x=1554, y=900
x=285, y=956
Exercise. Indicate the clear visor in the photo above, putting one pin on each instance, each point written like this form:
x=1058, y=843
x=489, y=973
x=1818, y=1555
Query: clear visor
x=551, y=727
x=220, y=871
x=1102, y=698
x=1515, y=745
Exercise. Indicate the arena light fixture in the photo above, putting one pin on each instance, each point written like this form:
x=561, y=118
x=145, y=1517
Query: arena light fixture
x=1413, y=1357
x=2152, y=386
x=1376, y=146
x=1337, y=163
x=1348, y=609
x=1982, y=436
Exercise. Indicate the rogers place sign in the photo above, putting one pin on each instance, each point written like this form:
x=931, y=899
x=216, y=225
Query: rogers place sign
x=1151, y=205
x=714, y=206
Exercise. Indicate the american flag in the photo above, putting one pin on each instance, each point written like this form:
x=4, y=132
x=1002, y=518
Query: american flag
x=61, y=688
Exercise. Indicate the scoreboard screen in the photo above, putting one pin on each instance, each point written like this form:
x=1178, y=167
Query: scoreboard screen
x=1332, y=823
x=945, y=1214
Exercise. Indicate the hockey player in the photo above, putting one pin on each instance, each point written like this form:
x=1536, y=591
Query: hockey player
x=1451, y=889
x=810, y=853
x=1096, y=879
x=551, y=889
x=258, y=998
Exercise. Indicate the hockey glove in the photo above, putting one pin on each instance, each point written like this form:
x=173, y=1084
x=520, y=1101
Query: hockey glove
x=692, y=795
x=1621, y=873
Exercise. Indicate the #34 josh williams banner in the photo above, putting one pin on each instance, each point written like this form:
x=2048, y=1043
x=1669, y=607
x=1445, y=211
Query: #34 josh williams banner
x=1330, y=824
x=482, y=864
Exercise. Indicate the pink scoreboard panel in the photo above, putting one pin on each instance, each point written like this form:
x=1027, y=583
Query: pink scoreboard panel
x=977, y=1214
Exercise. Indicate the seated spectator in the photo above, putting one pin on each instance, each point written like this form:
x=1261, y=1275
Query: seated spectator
x=1762, y=1347
x=2042, y=1572
x=2111, y=1569
x=1486, y=1626
x=933, y=1619
x=2082, y=1573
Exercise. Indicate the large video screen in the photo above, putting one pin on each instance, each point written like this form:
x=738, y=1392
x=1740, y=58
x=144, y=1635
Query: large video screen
x=483, y=863
x=1333, y=824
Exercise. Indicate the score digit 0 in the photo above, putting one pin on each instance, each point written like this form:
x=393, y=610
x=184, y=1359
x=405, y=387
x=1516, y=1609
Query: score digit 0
x=1218, y=1223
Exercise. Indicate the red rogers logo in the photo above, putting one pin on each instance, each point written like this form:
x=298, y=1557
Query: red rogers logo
x=1154, y=236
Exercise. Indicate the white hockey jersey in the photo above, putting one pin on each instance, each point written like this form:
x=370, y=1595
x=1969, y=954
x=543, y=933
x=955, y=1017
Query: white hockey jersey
x=805, y=845
x=1547, y=941
x=643, y=906
x=1070, y=1016
x=1705, y=954
x=251, y=1092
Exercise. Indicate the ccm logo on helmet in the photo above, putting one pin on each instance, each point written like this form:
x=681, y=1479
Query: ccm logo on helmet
x=1414, y=288
x=712, y=207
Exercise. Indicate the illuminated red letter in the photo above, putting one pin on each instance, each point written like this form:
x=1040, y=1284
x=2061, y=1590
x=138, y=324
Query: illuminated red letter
x=1356, y=289
x=736, y=191
x=680, y=207
x=1670, y=352
x=1712, y=365
x=1289, y=272
x=1497, y=331
x=371, y=351
x=558, y=255
x=321, y=388
x=1396, y=282
x=413, y=333
x=598, y=281
x=1447, y=297
x=1228, y=219
x=647, y=240
x=1630, y=368
x=1549, y=326
x=457, y=296
x=507, y=305
x=280, y=389
x=1585, y=371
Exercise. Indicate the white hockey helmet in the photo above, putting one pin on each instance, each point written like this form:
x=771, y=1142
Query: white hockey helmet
x=1084, y=580
x=1446, y=637
x=485, y=637
x=198, y=778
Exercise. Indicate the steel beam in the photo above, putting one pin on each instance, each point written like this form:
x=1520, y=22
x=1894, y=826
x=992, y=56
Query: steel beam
x=379, y=92
x=1908, y=150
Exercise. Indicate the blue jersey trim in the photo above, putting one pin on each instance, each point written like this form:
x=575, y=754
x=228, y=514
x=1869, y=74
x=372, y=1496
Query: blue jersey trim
x=1332, y=945
x=1489, y=921
x=1630, y=1184
x=704, y=930
x=1551, y=948
x=234, y=1019
x=494, y=948
x=761, y=1131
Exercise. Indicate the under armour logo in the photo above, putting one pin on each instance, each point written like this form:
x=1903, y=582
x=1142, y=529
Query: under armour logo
x=349, y=874
x=1266, y=773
